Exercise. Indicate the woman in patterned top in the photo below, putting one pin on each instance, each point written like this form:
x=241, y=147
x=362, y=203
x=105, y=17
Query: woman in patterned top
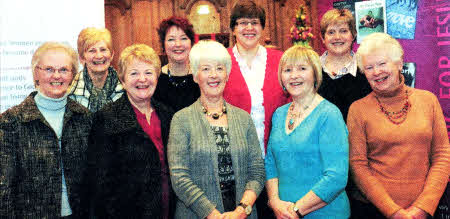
x=214, y=156
x=97, y=84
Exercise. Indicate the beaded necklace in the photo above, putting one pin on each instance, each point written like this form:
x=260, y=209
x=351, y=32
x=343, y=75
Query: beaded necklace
x=294, y=116
x=215, y=116
x=396, y=117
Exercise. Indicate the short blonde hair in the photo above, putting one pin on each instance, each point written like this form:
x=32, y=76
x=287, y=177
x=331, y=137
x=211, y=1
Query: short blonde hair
x=92, y=35
x=208, y=50
x=141, y=52
x=296, y=53
x=48, y=46
x=382, y=41
x=337, y=16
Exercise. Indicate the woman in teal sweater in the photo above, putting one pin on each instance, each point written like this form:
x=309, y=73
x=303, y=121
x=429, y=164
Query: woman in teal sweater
x=307, y=155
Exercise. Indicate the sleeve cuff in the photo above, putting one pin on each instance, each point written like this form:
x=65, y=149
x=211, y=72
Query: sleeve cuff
x=255, y=186
x=389, y=212
x=203, y=207
x=426, y=207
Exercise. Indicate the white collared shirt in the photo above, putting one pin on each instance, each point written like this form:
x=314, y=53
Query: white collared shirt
x=254, y=78
x=349, y=68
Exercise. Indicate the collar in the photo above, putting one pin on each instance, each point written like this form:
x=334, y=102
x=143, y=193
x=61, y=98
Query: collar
x=48, y=103
x=398, y=90
x=121, y=116
x=31, y=112
x=260, y=54
x=349, y=68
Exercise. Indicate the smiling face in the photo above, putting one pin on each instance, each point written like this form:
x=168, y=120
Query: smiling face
x=140, y=81
x=298, y=78
x=248, y=32
x=97, y=58
x=211, y=77
x=382, y=73
x=54, y=85
x=177, y=45
x=338, y=39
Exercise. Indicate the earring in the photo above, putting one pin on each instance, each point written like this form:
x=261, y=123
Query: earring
x=284, y=88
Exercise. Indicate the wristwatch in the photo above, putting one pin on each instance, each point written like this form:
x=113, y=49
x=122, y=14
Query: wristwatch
x=247, y=208
x=300, y=215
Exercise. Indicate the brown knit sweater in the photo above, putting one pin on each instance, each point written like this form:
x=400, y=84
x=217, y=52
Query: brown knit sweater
x=396, y=166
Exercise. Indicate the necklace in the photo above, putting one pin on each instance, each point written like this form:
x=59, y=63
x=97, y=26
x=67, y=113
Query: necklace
x=294, y=116
x=173, y=82
x=396, y=117
x=215, y=116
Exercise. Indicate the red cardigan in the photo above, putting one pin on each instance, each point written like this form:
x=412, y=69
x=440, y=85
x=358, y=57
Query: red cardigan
x=236, y=91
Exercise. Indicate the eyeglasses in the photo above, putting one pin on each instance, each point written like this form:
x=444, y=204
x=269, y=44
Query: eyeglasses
x=247, y=22
x=51, y=70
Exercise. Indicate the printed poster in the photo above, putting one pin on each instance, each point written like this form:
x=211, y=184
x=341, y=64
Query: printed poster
x=401, y=18
x=370, y=18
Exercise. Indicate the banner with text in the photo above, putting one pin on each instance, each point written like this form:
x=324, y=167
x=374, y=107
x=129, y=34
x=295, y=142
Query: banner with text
x=25, y=25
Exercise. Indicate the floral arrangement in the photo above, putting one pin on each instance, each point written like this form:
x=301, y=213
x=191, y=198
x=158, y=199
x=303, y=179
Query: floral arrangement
x=300, y=31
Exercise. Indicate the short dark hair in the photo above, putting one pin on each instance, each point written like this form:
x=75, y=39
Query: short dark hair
x=247, y=9
x=180, y=22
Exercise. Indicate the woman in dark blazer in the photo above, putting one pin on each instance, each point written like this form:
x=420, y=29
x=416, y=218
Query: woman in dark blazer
x=127, y=145
x=43, y=143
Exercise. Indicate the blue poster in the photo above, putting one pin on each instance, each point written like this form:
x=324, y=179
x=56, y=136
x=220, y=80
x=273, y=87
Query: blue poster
x=401, y=18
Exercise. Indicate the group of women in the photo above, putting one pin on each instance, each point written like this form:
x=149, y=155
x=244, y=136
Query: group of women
x=218, y=133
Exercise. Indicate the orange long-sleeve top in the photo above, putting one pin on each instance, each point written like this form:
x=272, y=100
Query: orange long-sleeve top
x=398, y=166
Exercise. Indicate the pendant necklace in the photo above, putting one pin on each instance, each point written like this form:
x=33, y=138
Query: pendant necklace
x=173, y=81
x=294, y=116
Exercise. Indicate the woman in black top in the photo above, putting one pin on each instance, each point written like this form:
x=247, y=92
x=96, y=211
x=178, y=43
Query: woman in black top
x=176, y=87
x=342, y=82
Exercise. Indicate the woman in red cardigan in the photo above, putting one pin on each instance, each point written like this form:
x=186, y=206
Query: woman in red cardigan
x=253, y=84
x=253, y=81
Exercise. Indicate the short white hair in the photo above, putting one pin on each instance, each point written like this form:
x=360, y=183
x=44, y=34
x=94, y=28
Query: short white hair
x=382, y=41
x=209, y=50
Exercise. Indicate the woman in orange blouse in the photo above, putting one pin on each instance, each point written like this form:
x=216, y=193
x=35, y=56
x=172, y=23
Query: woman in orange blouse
x=399, y=147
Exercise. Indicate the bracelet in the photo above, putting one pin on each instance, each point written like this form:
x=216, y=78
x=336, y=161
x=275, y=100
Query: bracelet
x=298, y=212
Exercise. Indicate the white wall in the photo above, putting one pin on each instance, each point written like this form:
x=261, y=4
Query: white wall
x=25, y=24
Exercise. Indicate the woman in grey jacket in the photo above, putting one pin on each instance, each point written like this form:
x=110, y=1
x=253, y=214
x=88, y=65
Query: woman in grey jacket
x=214, y=155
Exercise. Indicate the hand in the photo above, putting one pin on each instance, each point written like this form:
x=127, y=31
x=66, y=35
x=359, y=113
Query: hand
x=215, y=214
x=282, y=209
x=401, y=214
x=238, y=213
x=417, y=213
